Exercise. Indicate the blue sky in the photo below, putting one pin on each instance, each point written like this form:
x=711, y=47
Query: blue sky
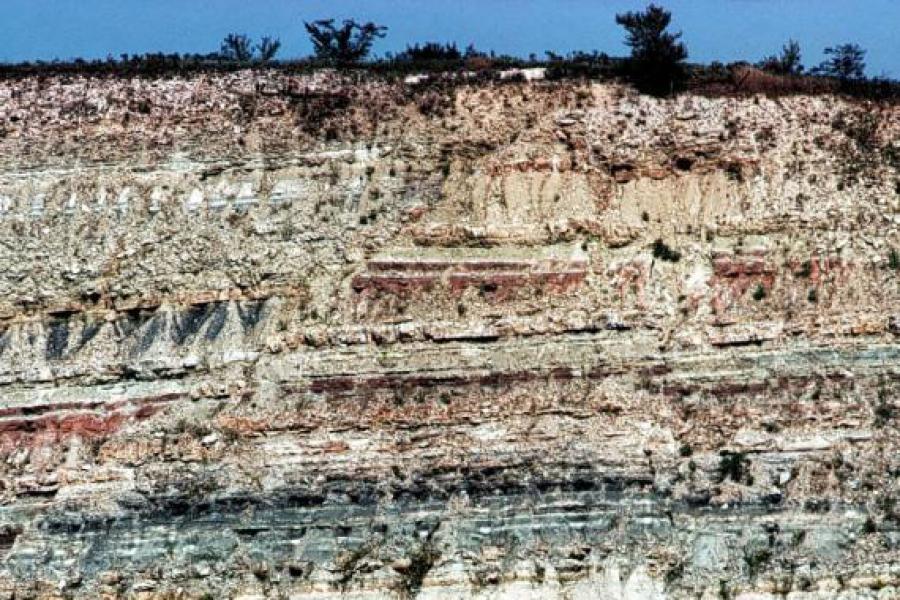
x=723, y=30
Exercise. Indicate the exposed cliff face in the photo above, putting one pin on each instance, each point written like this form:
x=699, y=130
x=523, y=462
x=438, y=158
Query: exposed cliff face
x=271, y=337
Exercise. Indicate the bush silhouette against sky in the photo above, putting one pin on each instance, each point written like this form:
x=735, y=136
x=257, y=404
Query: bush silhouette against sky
x=657, y=54
x=723, y=30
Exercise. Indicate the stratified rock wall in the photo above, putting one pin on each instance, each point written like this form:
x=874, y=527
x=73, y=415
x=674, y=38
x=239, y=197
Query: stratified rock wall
x=303, y=337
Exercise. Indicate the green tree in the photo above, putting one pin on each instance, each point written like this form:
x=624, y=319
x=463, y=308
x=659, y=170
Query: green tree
x=845, y=62
x=236, y=47
x=657, y=56
x=345, y=45
x=267, y=48
x=789, y=62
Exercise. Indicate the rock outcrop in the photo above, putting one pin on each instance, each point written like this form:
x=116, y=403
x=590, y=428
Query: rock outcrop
x=305, y=337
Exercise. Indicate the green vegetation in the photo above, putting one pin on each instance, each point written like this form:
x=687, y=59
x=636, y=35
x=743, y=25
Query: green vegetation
x=756, y=560
x=348, y=561
x=662, y=251
x=846, y=62
x=657, y=57
x=421, y=560
x=869, y=526
x=894, y=259
x=267, y=48
x=657, y=63
x=239, y=48
x=789, y=62
x=884, y=409
x=733, y=466
x=432, y=52
x=760, y=292
x=343, y=46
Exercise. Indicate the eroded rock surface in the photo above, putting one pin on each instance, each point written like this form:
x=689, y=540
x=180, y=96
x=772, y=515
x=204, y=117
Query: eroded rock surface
x=301, y=337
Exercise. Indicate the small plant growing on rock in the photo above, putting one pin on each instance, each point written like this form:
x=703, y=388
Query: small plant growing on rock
x=888, y=507
x=756, y=559
x=421, y=561
x=869, y=526
x=662, y=251
x=894, y=259
x=884, y=411
x=348, y=561
x=760, y=292
x=733, y=466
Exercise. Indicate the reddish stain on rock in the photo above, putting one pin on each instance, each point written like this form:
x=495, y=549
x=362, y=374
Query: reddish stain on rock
x=51, y=423
x=497, y=279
